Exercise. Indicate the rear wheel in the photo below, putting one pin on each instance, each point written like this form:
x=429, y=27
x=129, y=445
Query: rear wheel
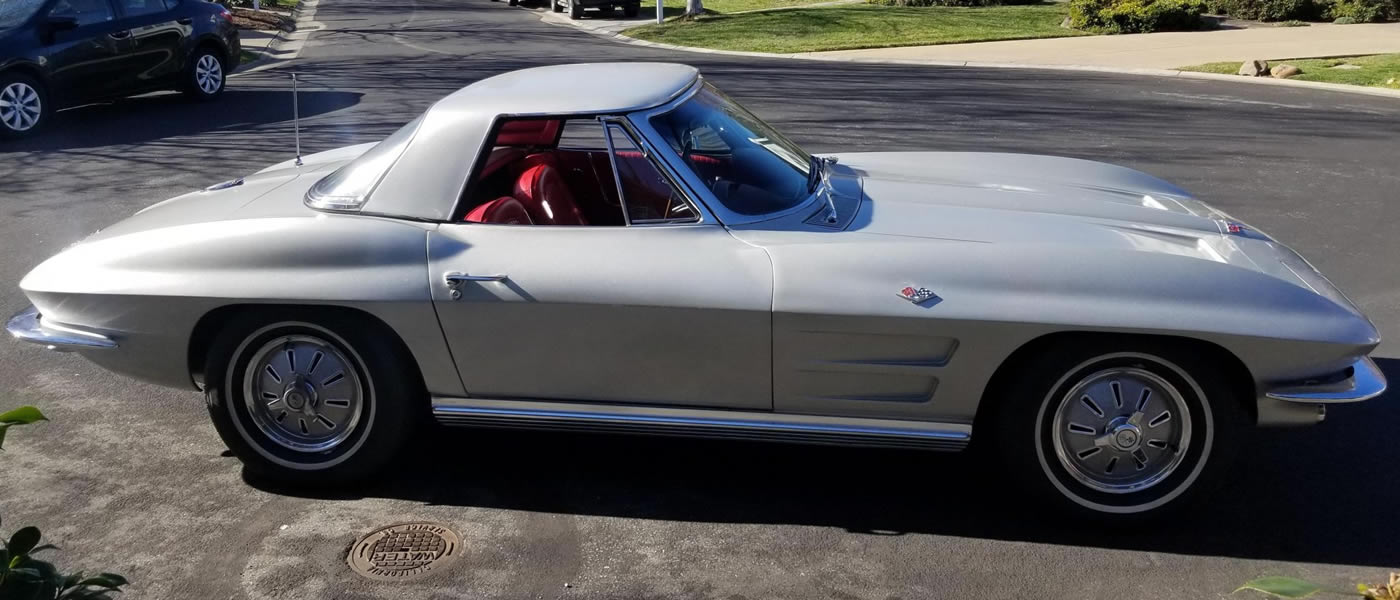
x=24, y=106
x=555, y=5
x=575, y=10
x=205, y=75
x=631, y=10
x=514, y=2
x=310, y=399
x=1119, y=431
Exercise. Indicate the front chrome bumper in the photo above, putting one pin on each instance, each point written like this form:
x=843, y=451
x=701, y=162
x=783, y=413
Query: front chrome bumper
x=27, y=325
x=1306, y=403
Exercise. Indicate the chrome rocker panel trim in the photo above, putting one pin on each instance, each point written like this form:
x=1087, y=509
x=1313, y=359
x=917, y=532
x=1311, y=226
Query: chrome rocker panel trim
x=688, y=422
x=1366, y=382
x=27, y=326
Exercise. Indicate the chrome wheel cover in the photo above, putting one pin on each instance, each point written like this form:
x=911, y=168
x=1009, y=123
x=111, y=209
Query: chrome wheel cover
x=208, y=74
x=1121, y=430
x=303, y=393
x=20, y=107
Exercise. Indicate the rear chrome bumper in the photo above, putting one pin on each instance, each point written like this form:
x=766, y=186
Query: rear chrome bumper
x=1306, y=403
x=27, y=325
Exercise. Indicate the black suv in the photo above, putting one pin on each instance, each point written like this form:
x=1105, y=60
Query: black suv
x=60, y=53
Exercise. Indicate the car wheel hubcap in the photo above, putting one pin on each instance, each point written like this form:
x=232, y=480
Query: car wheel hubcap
x=1121, y=430
x=302, y=393
x=20, y=106
x=208, y=74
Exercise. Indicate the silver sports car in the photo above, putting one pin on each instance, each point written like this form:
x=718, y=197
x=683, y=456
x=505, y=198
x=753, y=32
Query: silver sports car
x=644, y=255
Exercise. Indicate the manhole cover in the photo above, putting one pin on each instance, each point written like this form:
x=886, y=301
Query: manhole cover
x=404, y=551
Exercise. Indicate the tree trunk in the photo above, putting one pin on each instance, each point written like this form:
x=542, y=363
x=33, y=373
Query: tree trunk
x=694, y=7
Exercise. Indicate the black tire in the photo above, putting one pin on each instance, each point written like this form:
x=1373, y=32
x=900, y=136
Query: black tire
x=575, y=10
x=1195, y=453
x=390, y=405
x=15, y=124
x=200, y=83
x=555, y=6
x=514, y=2
x=631, y=10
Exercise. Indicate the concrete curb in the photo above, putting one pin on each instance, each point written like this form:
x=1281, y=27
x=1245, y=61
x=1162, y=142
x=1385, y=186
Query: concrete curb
x=549, y=17
x=286, y=45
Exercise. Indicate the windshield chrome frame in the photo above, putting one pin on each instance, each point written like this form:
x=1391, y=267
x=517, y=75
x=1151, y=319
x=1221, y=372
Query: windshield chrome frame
x=641, y=124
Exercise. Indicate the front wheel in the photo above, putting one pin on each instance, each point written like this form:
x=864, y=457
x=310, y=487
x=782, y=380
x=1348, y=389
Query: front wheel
x=205, y=77
x=555, y=6
x=1119, y=431
x=310, y=399
x=631, y=10
x=575, y=10
x=24, y=106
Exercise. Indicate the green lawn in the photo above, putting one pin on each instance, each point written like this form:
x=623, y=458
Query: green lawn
x=677, y=7
x=1379, y=70
x=858, y=26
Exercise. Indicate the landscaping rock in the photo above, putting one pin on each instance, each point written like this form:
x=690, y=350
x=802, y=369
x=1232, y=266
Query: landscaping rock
x=1254, y=68
x=1285, y=71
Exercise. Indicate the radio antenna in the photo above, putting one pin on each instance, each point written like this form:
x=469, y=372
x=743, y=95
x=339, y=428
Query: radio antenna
x=296, y=118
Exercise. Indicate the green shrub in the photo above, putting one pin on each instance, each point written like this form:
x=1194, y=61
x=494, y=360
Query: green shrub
x=1344, y=21
x=1362, y=11
x=951, y=2
x=1136, y=16
x=1269, y=10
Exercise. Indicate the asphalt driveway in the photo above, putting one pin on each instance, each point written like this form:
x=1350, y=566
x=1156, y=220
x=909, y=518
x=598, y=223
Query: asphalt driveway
x=131, y=478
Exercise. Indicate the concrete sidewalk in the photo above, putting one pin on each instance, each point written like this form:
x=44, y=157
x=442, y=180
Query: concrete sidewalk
x=1155, y=50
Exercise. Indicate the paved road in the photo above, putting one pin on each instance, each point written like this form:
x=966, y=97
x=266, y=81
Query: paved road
x=132, y=478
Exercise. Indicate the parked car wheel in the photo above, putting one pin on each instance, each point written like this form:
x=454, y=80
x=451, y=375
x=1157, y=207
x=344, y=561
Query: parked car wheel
x=631, y=10
x=575, y=10
x=556, y=6
x=24, y=105
x=1119, y=431
x=514, y=2
x=205, y=76
x=310, y=400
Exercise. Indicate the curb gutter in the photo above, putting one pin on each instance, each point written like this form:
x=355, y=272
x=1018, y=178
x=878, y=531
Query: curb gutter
x=286, y=45
x=548, y=17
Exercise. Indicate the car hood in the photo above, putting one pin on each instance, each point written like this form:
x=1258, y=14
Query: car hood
x=1044, y=203
x=925, y=194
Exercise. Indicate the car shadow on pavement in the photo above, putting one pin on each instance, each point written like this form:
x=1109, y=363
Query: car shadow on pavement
x=1321, y=495
x=166, y=115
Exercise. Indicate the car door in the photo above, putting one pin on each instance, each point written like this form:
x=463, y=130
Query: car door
x=158, y=32
x=671, y=312
x=87, y=56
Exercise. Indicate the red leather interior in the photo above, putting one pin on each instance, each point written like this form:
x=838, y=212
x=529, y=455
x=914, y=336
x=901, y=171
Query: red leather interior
x=528, y=132
x=504, y=211
x=499, y=158
x=695, y=158
x=545, y=195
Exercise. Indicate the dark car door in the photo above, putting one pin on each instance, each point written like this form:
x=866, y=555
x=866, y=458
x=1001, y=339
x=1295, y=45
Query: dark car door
x=157, y=38
x=87, y=53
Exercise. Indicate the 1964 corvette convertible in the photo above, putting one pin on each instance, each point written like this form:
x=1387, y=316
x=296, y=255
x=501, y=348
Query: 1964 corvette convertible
x=641, y=254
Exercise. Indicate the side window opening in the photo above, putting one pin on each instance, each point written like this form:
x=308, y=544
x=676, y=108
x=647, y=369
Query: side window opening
x=560, y=172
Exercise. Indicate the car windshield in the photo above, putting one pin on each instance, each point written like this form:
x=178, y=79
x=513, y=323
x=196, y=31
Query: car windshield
x=750, y=167
x=349, y=186
x=14, y=13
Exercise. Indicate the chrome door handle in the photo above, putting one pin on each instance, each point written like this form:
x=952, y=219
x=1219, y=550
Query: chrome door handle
x=455, y=280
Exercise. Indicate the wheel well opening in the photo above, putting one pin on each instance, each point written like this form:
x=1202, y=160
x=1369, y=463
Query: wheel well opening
x=1234, y=370
x=217, y=48
x=213, y=324
x=27, y=70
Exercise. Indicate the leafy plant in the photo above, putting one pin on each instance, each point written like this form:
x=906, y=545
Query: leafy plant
x=23, y=577
x=1291, y=587
x=1136, y=16
x=1363, y=11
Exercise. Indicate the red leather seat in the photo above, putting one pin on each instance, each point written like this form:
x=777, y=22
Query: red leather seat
x=545, y=195
x=504, y=211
